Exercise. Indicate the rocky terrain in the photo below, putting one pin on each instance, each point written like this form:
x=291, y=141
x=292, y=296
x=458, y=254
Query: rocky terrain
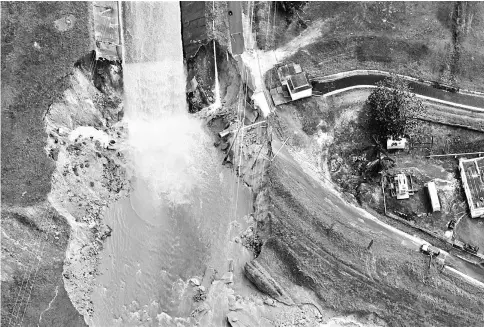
x=86, y=142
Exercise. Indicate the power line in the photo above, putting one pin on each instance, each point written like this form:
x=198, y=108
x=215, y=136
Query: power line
x=25, y=284
x=32, y=286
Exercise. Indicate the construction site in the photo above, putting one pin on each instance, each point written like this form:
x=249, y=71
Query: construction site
x=214, y=164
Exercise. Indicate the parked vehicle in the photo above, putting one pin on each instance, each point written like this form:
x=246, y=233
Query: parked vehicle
x=471, y=248
x=430, y=250
x=401, y=187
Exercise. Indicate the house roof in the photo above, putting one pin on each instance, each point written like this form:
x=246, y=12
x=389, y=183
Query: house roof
x=288, y=70
x=299, y=80
x=473, y=171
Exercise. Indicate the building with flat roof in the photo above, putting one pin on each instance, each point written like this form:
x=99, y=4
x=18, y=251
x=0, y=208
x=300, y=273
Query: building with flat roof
x=472, y=175
x=294, y=84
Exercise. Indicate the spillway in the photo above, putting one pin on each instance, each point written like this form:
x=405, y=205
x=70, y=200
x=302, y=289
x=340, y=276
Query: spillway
x=179, y=217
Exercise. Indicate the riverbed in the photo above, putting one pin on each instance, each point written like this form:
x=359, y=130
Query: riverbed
x=185, y=208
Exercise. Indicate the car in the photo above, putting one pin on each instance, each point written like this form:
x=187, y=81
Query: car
x=471, y=248
x=429, y=250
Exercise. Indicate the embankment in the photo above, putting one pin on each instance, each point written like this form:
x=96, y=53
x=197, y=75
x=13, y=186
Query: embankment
x=86, y=140
x=312, y=241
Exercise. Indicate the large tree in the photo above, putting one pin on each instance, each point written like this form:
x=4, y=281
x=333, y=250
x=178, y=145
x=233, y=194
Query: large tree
x=393, y=111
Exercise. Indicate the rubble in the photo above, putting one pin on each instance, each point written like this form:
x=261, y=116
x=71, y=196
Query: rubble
x=83, y=133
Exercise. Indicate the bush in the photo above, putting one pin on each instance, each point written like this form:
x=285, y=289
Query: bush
x=392, y=109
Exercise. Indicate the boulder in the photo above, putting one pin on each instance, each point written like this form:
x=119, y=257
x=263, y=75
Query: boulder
x=241, y=319
x=263, y=280
x=228, y=278
x=194, y=281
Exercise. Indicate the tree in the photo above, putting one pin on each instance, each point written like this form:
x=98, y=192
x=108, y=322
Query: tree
x=393, y=111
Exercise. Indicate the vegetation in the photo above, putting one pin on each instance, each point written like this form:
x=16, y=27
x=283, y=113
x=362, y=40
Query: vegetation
x=418, y=39
x=392, y=109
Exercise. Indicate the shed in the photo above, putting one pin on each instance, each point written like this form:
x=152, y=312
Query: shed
x=401, y=187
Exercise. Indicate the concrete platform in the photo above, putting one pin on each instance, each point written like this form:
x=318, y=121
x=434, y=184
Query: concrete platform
x=279, y=97
x=107, y=30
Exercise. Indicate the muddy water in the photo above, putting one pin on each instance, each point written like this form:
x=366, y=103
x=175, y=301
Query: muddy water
x=184, y=207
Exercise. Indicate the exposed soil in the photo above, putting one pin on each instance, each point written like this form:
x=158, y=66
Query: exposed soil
x=86, y=137
x=353, y=149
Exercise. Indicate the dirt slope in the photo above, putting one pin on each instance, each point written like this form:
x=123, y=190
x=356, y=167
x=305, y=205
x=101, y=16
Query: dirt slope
x=310, y=242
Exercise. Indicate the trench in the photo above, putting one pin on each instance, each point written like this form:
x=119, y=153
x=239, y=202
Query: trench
x=185, y=207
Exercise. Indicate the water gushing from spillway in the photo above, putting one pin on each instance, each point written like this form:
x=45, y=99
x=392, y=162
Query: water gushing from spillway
x=177, y=219
x=217, y=102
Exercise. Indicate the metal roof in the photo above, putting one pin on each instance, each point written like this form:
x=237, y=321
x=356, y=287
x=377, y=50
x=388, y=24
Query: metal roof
x=299, y=80
x=472, y=175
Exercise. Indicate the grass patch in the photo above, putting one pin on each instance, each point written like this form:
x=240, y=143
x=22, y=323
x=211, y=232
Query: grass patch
x=411, y=38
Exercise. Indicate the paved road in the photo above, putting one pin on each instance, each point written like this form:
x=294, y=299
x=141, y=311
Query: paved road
x=235, y=25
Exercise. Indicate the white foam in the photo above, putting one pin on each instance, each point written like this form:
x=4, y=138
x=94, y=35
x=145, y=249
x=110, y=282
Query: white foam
x=88, y=132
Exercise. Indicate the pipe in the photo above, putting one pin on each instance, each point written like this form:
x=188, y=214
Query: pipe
x=454, y=154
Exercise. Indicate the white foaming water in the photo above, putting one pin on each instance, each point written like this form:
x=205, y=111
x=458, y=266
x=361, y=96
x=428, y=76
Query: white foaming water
x=177, y=220
x=218, y=102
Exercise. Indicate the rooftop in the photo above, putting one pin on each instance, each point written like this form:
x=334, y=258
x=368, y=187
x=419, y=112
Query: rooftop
x=472, y=175
x=299, y=81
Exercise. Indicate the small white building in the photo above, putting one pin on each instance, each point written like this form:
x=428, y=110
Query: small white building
x=396, y=144
x=472, y=176
x=295, y=84
x=401, y=186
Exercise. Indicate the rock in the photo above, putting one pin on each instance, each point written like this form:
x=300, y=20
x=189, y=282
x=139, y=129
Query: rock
x=194, y=281
x=270, y=302
x=65, y=23
x=232, y=301
x=105, y=232
x=242, y=318
x=228, y=278
x=263, y=280
x=224, y=146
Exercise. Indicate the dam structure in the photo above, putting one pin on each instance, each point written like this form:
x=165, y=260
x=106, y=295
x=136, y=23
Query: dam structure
x=177, y=221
